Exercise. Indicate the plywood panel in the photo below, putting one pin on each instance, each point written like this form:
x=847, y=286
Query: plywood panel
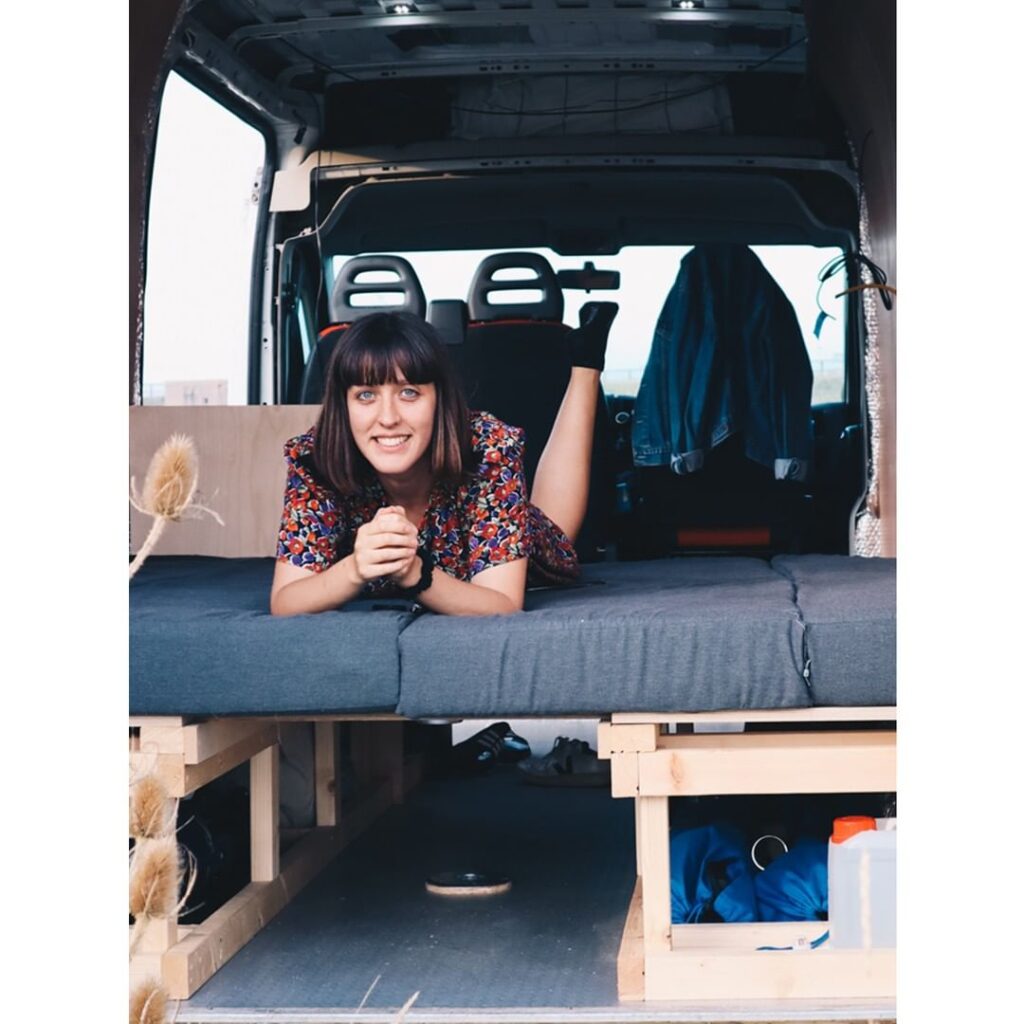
x=241, y=473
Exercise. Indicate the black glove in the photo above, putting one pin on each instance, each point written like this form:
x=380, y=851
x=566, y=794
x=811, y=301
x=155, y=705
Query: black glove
x=588, y=342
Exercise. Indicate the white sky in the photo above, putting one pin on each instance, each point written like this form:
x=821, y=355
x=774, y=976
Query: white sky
x=202, y=224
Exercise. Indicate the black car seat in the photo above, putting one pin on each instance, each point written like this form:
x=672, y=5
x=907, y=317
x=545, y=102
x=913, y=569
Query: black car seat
x=515, y=364
x=450, y=318
x=344, y=312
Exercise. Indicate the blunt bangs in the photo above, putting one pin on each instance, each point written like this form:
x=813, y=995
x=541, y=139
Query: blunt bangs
x=384, y=347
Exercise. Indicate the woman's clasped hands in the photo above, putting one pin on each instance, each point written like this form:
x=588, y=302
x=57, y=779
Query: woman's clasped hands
x=385, y=546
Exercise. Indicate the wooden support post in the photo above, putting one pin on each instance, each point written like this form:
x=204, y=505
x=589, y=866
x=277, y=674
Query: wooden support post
x=327, y=736
x=653, y=820
x=630, y=963
x=158, y=935
x=264, y=810
x=625, y=775
x=639, y=838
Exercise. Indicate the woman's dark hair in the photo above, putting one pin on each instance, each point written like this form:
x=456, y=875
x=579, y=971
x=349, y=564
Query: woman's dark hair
x=375, y=350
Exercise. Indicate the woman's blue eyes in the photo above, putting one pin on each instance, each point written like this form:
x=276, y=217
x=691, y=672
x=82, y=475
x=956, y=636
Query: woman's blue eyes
x=368, y=396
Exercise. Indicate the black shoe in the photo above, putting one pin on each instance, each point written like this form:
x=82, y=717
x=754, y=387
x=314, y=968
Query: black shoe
x=497, y=744
x=588, y=342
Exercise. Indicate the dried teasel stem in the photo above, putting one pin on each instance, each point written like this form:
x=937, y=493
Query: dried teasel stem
x=151, y=812
x=148, y=1003
x=154, y=882
x=154, y=878
x=168, y=492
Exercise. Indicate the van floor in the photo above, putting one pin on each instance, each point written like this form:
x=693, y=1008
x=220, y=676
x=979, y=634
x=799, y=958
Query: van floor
x=365, y=935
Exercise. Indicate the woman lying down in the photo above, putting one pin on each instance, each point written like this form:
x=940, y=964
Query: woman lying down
x=399, y=489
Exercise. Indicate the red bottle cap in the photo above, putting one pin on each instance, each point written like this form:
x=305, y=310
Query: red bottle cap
x=845, y=828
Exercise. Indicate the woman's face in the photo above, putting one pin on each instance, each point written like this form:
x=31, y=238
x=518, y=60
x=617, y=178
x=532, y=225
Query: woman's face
x=392, y=424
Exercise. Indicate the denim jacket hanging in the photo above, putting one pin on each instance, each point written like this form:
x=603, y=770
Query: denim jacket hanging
x=728, y=356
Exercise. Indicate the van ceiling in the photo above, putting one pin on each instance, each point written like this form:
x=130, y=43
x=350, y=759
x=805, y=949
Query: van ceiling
x=339, y=72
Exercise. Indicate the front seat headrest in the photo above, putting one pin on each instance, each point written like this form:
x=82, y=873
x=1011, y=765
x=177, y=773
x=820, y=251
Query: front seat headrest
x=537, y=276
x=347, y=285
x=448, y=317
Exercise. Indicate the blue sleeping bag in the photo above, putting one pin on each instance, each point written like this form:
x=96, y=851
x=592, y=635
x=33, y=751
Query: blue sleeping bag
x=713, y=879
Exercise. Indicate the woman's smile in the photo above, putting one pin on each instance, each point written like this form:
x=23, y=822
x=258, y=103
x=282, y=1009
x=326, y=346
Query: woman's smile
x=393, y=442
x=393, y=424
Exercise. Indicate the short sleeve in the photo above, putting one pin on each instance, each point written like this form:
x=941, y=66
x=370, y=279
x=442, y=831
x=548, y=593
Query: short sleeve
x=497, y=506
x=310, y=523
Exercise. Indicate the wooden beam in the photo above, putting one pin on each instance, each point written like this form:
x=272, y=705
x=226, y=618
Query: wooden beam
x=158, y=935
x=823, y=714
x=749, y=937
x=616, y=739
x=719, y=975
x=657, y=906
x=630, y=963
x=181, y=778
x=200, y=741
x=143, y=967
x=625, y=775
x=327, y=768
x=734, y=763
x=264, y=814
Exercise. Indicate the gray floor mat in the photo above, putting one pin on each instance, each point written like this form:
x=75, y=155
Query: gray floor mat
x=551, y=941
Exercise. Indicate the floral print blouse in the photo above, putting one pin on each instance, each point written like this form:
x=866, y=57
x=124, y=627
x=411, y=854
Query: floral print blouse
x=486, y=521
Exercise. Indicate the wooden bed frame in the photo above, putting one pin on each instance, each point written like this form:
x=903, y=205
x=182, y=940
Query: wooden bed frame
x=188, y=754
x=652, y=759
x=650, y=764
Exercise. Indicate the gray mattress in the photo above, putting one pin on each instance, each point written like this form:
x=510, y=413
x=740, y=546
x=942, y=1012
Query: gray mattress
x=848, y=606
x=202, y=641
x=675, y=634
x=695, y=634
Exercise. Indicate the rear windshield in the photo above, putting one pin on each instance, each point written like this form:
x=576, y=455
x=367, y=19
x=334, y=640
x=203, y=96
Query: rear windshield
x=646, y=277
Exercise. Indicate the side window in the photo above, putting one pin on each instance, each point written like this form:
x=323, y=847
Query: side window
x=202, y=227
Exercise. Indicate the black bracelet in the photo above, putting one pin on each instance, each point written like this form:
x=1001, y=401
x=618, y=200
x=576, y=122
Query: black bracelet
x=426, y=576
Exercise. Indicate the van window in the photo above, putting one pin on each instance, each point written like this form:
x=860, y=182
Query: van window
x=646, y=276
x=202, y=226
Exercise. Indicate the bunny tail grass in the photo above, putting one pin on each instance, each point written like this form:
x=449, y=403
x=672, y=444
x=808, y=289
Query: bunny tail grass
x=151, y=812
x=148, y=1003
